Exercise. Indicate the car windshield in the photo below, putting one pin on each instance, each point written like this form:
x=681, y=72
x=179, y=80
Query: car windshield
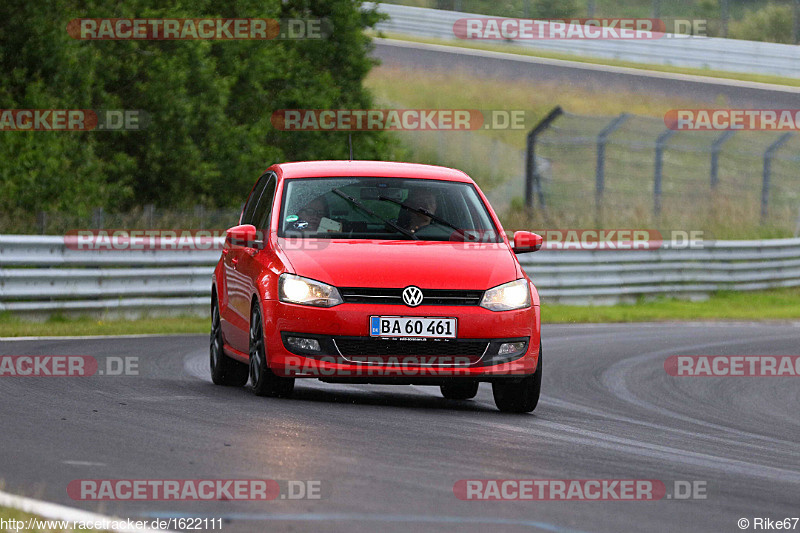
x=384, y=208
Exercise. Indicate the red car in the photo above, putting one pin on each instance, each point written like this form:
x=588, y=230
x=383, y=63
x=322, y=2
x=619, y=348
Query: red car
x=375, y=272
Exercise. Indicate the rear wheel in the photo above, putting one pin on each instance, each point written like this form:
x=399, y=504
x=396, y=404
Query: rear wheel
x=224, y=370
x=460, y=391
x=519, y=396
x=265, y=382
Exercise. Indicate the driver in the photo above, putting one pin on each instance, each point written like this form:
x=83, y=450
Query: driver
x=421, y=199
x=313, y=213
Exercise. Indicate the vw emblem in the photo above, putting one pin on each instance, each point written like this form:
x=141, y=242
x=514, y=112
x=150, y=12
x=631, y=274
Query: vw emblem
x=412, y=296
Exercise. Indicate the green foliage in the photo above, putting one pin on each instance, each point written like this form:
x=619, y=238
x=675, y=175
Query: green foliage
x=210, y=103
x=544, y=9
x=554, y=9
x=771, y=23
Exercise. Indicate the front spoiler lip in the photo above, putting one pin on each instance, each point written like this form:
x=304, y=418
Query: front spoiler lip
x=492, y=345
x=329, y=369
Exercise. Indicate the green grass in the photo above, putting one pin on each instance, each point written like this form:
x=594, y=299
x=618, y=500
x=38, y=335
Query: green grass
x=777, y=304
x=546, y=54
x=7, y=514
x=57, y=326
x=494, y=158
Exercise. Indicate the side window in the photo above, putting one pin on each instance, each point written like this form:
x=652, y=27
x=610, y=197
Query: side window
x=252, y=201
x=264, y=207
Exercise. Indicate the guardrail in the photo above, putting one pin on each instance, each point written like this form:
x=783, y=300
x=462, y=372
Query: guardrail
x=39, y=275
x=613, y=276
x=714, y=53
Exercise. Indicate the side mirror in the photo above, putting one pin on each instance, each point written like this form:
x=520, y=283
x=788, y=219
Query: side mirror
x=244, y=236
x=525, y=241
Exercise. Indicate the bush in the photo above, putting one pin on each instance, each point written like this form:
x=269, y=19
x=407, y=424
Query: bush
x=210, y=103
x=771, y=23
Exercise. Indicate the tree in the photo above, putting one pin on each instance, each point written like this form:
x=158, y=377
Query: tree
x=209, y=102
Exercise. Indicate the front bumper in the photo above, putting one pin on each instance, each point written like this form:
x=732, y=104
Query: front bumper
x=346, y=348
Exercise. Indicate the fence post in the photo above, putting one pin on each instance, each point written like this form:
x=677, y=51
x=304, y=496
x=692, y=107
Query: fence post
x=493, y=157
x=796, y=22
x=600, y=168
x=661, y=143
x=41, y=222
x=149, y=213
x=724, y=15
x=716, y=148
x=98, y=218
x=531, y=176
x=768, y=170
x=797, y=225
x=200, y=213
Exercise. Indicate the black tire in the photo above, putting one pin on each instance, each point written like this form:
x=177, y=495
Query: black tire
x=265, y=382
x=459, y=390
x=519, y=396
x=224, y=370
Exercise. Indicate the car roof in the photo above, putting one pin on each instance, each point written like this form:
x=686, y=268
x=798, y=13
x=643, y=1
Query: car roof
x=379, y=169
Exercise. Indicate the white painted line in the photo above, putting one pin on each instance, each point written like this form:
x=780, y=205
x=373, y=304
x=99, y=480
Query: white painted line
x=162, y=398
x=577, y=64
x=54, y=511
x=97, y=337
x=83, y=463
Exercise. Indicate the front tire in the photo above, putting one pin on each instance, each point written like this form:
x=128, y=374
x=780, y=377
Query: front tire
x=224, y=370
x=265, y=382
x=519, y=396
x=459, y=391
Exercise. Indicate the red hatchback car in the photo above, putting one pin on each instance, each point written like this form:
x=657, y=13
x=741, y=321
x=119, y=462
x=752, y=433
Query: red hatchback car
x=375, y=272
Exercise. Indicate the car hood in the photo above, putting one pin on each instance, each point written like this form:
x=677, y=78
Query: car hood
x=427, y=264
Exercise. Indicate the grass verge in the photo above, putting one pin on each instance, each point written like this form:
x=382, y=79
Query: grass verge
x=777, y=304
x=495, y=158
x=40, y=525
x=11, y=326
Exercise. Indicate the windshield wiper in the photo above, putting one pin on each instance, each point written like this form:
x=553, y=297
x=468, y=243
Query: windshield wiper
x=374, y=214
x=425, y=212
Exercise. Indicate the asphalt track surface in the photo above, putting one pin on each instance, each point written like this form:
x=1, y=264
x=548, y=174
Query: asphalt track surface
x=550, y=73
x=389, y=456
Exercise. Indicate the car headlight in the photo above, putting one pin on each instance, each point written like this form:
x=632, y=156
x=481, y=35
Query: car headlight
x=298, y=290
x=508, y=296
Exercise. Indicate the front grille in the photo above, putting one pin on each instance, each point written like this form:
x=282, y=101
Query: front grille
x=364, y=346
x=353, y=295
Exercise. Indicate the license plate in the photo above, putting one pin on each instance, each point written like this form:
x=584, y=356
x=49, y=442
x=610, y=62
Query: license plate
x=416, y=327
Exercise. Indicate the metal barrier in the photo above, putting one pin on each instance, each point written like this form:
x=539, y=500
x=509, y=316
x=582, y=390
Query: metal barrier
x=613, y=276
x=699, y=52
x=40, y=276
